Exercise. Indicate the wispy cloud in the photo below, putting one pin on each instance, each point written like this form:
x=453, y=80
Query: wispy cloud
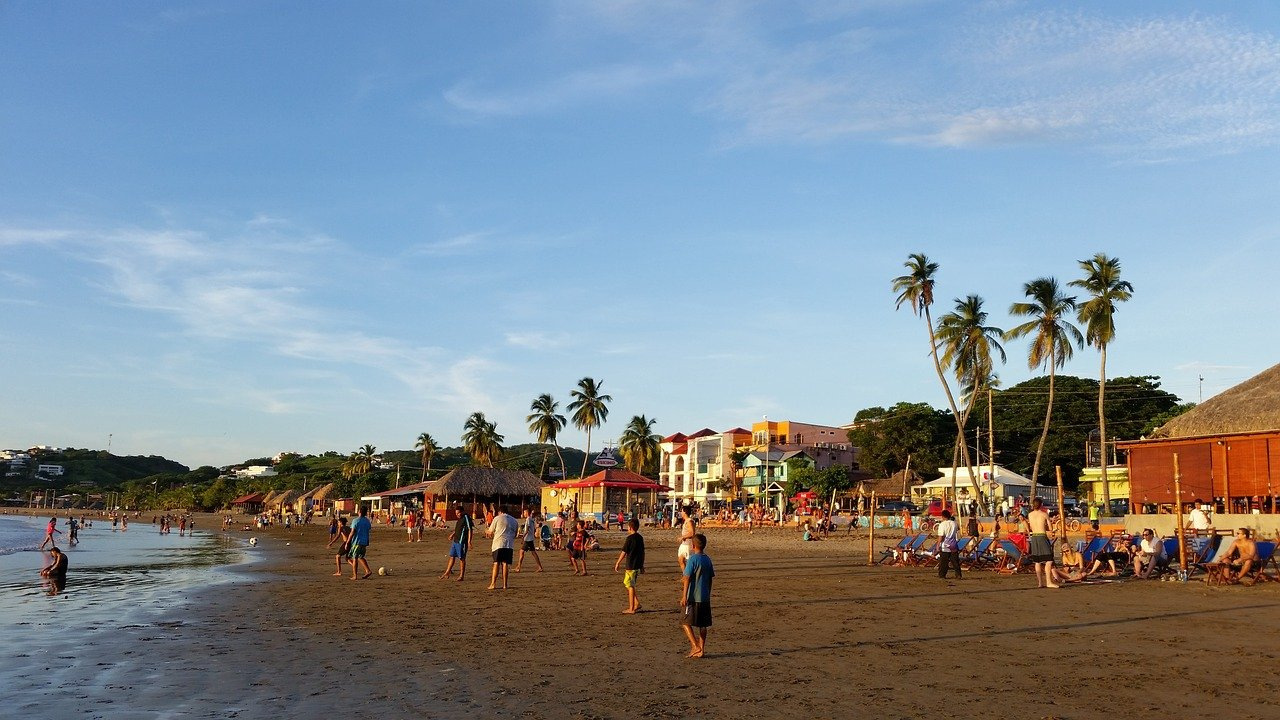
x=570, y=89
x=455, y=245
x=536, y=340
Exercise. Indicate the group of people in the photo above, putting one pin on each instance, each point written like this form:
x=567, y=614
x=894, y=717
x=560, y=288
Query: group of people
x=185, y=523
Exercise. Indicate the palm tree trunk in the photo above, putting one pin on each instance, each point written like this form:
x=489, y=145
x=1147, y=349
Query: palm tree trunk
x=424, y=468
x=964, y=420
x=586, y=457
x=1102, y=428
x=1044, y=433
x=563, y=471
x=951, y=401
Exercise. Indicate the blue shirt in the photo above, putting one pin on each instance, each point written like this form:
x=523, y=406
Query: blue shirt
x=699, y=571
x=360, y=531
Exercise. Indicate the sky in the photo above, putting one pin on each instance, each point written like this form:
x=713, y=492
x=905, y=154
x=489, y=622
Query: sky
x=230, y=229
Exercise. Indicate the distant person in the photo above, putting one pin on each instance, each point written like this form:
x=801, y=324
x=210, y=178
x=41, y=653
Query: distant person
x=695, y=598
x=579, y=544
x=1038, y=545
x=1241, y=558
x=502, y=528
x=1198, y=520
x=333, y=527
x=459, y=544
x=1095, y=513
x=342, y=536
x=971, y=527
x=632, y=556
x=49, y=531
x=360, y=544
x=948, y=546
x=530, y=539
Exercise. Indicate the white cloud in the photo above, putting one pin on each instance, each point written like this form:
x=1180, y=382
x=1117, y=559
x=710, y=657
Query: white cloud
x=536, y=340
x=455, y=245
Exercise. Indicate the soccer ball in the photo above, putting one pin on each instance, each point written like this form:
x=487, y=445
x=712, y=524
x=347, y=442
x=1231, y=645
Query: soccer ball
x=253, y=541
x=383, y=571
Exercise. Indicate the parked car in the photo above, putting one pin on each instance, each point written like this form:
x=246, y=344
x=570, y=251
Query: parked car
x=899, y=506
x=935, y=507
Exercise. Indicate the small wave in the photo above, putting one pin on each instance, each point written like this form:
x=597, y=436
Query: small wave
x=18, y=549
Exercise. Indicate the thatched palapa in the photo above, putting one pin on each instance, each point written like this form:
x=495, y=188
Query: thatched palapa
x=322, y=492
x=1251, y=406
x=486, y=482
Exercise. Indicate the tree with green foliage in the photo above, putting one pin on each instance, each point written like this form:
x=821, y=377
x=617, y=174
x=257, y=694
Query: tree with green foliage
x=546, y=422
x=968, y=344
x=1052, y=336
x=589, y=410
x=916, y=289
x=639, y=445
x=831, y=479
x=427, y=446
x=481, y=440
x=887, y=438
x=1097, y=314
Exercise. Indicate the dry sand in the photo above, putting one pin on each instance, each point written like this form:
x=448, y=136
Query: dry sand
x=800, y=630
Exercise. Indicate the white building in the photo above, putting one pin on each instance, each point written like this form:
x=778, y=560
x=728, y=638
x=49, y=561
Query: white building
x=256, y=471
x=50, y=470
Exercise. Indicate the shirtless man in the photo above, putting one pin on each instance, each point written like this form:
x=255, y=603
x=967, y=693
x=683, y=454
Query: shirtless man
x=1241, y=558
x=1041, y=550
x=686, y=537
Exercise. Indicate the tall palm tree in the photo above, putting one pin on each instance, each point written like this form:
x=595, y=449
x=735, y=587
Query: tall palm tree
x=589, y=410
x=481, y=440
x=546, y=423
x=639, y=444
x=916, y=289
x=428, y=447
x=1052, y=335
x=967, y=343
x=351, y=466
x=1102, y=281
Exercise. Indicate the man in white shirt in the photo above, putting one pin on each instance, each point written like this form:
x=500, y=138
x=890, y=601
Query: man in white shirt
x=503, y=532
x=1150, y=555
x=1198, y=519
x=948, y=539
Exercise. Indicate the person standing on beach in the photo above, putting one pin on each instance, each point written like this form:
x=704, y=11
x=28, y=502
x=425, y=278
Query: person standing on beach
x=360, y=544
x=695, y=600
x=1041, y=550
x=343, y=537
x=50, y=530
x=633, y=555
x=530, y=535
x=687, y=530
x=73, y=531
x=948, y=540
x=459, y=544
x=502, y=528
x=578, y=544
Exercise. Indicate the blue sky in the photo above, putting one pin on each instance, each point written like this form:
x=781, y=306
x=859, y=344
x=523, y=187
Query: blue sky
x=230, y=229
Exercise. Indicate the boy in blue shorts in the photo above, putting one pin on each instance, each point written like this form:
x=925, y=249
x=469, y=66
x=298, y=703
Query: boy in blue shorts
x=459, y=544
x=633, y=554
x=695, y=601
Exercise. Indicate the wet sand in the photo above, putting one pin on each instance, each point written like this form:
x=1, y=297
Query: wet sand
x=800, y=629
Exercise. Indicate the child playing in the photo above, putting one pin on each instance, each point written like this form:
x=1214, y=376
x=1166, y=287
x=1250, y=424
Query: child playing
x=578, y=546
x=633, y=554
x=695, y=601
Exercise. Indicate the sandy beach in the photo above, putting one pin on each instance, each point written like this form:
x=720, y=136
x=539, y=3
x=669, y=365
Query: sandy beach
x=801, y=629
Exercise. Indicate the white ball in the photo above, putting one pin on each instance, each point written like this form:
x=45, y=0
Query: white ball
x=383, y=571
x=253, y=541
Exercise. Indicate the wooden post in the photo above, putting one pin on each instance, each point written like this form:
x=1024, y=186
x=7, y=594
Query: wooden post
x=871, y=529
x=1062, y=506
x=1177, y=504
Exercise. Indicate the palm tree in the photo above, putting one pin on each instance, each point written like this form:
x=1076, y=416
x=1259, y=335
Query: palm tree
x=1052, y=335
x=1102, y=281
x=481, y=440
x=967, y=344
x=916, y=289
x=351, y=466
x=545, y=424
x=589, y=410
x=429, y=448
x=639, y=444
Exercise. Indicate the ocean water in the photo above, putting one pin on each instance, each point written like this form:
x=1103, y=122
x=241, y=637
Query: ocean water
x=116, y=580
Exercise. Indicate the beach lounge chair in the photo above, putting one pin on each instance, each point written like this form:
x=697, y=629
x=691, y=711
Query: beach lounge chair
x=1014, y=560
x=926, y=556
x=1266, y=556
x=980, y=556
x=907, y=556
x=1215, y=567
x=892, y=551
x=1090, y=551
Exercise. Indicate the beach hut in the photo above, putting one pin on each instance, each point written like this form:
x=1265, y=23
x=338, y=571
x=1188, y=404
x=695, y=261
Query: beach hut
x=608, y=492
x=480, y=487
x=399, y=500
x=1228, y=450
x=320, y=503
x=250, y=504
x=1004, y=483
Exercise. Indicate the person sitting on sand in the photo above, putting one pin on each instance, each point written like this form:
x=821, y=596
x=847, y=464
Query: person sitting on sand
x=1241, y=557
x=808, y=535
x=1072, y=561
x=1114, y=559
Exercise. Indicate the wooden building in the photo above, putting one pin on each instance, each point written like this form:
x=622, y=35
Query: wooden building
x=1228, y=452
x=608, y=492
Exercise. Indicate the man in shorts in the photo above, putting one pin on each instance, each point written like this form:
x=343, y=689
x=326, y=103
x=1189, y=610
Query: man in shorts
x=459, y=544
x=633, y=555
x=359, y=544
x=687, y=530
x=695, y=601
x=503, y=531
x=530, y=538
x=1038, y=545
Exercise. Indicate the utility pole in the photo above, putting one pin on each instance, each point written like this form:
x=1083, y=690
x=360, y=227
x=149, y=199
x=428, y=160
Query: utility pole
x=991, y=447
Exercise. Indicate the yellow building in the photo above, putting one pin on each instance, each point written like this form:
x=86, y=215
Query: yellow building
x=1090, y=487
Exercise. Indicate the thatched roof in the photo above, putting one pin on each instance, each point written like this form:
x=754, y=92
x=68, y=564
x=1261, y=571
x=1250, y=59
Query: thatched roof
x=322, y=492
x=286, y=497
x=486, y=481
x=1251, y=406
x=891, y=485
x=271, y=497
